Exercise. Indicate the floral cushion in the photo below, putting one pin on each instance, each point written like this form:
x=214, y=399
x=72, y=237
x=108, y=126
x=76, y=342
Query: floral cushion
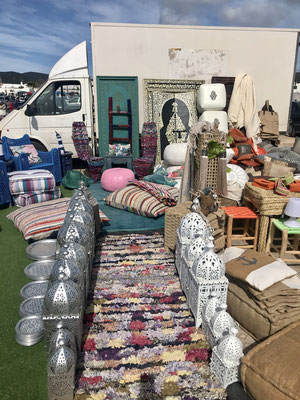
x=28, y=149
x=119, y=149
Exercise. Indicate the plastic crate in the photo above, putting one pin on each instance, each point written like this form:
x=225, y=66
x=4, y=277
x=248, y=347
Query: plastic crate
x=66, y=162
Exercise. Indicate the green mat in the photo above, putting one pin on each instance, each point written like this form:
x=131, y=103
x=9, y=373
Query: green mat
x=123, y=221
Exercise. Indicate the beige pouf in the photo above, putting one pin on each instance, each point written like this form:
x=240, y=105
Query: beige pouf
x=270, y=371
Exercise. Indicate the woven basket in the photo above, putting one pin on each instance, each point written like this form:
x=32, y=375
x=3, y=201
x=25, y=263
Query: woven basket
x=173, y=216
x=266, y=201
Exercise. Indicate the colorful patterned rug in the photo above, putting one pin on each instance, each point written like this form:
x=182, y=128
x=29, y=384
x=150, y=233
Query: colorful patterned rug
x=140, y=341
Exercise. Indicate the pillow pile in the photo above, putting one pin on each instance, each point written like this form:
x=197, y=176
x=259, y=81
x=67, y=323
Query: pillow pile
x=32, y=186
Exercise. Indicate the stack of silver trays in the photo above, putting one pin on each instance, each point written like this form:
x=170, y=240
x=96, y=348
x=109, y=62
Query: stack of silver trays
x=39, y=270
x=31, y=306
x=32, y=289
x=29, y=330
x=42, y=250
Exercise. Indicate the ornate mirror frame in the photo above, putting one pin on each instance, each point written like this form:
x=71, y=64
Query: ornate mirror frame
x=158, y=91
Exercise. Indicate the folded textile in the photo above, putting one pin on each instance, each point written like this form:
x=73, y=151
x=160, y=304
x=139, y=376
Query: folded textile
x=258, y=270
x=295, y=186
x=155, y=190
x=263, y=183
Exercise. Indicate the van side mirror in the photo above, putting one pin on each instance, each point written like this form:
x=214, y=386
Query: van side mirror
x=30, y=110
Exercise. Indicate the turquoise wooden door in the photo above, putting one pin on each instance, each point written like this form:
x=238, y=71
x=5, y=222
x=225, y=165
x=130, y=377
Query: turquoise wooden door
x=121, y=89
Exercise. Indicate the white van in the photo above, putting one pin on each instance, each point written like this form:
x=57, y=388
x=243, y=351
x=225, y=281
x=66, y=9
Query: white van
x=66, y=97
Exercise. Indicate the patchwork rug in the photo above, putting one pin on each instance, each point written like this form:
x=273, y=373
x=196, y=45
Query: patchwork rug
x=140, y=341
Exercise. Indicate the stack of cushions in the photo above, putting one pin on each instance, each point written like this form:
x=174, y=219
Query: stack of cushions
x=39, y=221
x=270, y=371
x=263, y=294
x=144, y=198
x=32, y=186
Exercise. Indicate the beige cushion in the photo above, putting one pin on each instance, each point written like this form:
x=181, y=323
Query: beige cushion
x=276, y=168
x=270, y=371
x=257, y=322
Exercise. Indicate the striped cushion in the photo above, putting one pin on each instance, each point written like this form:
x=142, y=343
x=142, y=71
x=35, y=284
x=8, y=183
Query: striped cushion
x=38, y=221
x=33, y=181
x=134, y=199
x=32, y=198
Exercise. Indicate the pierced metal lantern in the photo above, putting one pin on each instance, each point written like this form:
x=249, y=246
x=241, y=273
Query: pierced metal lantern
x=192, y=225
x=209, y=310
x=62, y=333
x=225, y=359
x=80, y=201
x=74, y=232
x=63, y=297
x=209, y=266
x=61, y=373
x=199, y=291
x=63, y=303
x=221, y=322
x=197, y=247
x=68, y=268
x=77, y=254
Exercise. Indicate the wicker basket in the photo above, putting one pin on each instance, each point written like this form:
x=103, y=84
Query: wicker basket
x=173, y=216
x=268, y=204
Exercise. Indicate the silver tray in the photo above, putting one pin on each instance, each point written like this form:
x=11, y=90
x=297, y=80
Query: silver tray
x=42, y=249
x=29, y=330
x=32, y=289
x=32, y=306
x=39, y=270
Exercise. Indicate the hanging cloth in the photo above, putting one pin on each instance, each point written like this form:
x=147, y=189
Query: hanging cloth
x=242, y=107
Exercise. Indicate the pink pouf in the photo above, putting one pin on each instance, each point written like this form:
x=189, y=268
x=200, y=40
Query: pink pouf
x=116, y=178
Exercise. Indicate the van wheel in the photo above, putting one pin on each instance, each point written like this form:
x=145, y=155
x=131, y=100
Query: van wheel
x=38, y=145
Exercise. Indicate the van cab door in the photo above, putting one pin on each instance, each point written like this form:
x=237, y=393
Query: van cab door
x=59, y=104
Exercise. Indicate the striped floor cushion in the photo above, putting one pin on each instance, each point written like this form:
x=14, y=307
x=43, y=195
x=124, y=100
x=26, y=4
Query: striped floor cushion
x=32, y=198
x=134, y=199
x=38, y=221
x=33, y=181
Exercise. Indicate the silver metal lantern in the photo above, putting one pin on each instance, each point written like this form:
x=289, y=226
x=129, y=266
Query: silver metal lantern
x=77, y=254
x=63, y=303
x=61, y=333
x=61, y=373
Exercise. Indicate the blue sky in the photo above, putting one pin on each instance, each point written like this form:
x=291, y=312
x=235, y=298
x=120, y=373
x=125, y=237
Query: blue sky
x=36, y=33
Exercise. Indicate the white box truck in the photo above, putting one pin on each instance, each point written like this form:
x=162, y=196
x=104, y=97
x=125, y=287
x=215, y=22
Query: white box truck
x=155, y=52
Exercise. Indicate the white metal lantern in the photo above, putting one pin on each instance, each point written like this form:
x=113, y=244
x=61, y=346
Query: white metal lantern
x=209, y=310
x=194, y=249
x=221, y=323
x=199, y=291
x=226, y=357
x=209, y=266
x=190, y=225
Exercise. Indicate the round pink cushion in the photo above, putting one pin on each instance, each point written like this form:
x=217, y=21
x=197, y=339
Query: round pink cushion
x=116, y=178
